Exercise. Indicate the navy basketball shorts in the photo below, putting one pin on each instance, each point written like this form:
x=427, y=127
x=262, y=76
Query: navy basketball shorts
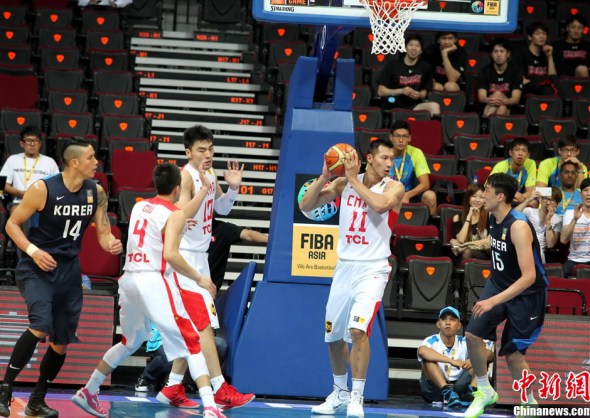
x=54, y=298
x=524, y=317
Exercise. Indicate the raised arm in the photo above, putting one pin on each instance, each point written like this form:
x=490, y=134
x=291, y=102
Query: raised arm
x=317, y=195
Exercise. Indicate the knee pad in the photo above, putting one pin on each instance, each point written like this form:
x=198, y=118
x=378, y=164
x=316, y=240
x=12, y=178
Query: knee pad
x=197, y=365
x=117, y=354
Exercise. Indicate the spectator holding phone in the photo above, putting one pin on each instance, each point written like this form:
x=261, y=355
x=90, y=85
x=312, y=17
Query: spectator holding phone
x=470, y=229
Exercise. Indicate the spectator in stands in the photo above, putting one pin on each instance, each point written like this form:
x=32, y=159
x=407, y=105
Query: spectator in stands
x=224, y=234
x=447, y=375
x=568, y=149
x=521, y=167
x=499, y=84
x=111, y=3
x=22, y=170
x=576, y=231
x=405, y=82
x=470, y=228
x=448, y=62
x=546, y=223
x=572, y=54
x=570, y=195
x=536, y=62
x=410, y=167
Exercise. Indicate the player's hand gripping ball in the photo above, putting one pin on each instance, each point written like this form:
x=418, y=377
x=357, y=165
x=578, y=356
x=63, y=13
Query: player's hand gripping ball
x=334, y=158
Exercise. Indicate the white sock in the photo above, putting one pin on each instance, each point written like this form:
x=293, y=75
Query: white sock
x=174, y=379
x=483, y=382
x=96, y=379
x=216, y=382
x=359, y=385
x=341, y=381
x=206, y=394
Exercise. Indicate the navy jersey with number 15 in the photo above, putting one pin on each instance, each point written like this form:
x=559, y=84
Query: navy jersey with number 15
x=505, y=268
x=59, y=227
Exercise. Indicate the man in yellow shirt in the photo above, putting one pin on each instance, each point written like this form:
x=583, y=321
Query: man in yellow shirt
x=519, y=166
x=568, y=150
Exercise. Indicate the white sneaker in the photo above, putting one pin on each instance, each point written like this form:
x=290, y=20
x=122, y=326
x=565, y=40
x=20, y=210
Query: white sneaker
x=355, y=406
x=335, y=402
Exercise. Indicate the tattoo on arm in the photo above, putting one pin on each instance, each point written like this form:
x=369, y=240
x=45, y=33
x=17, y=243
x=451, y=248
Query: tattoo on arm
x=103, y=206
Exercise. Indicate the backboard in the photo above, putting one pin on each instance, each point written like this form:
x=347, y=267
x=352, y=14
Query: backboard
x=456, y=15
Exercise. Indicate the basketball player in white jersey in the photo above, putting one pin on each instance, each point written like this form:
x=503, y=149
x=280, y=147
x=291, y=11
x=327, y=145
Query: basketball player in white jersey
x=198, y=176
x=370, y=204
x=147, y=294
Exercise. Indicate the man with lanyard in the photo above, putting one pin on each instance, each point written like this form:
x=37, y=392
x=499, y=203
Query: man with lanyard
x=549, y=169
x=519, y=166
x=410, y=167
x=22, y=170
x=570, y=195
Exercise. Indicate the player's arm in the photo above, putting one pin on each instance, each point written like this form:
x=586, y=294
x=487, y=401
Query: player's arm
x=106, y=239
x=33, y=201
x=522, y=238
x=173, y=230
x=317, y=195
x=189, y=201
x=233, y=176
x=391, y=199
x=253, y=236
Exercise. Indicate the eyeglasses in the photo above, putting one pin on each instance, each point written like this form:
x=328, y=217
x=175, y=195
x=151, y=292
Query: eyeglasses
x=31, y=141
x=569, y=172
x=400, y=136
x=569, y=150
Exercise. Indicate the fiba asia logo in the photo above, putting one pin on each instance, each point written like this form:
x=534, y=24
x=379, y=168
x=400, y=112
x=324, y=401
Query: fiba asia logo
x=477, y=7
x=322, y=213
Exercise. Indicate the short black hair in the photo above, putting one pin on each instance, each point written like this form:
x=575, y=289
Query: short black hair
x=166, y=177
x=442, y=33
x=502, y=42
x=534, y=26
x=374, y=145
x=585, y=183
x=414, y=37
x=70, y=151
x=30, y=130
x=575, y=18
x=570, y=163
x=568, y=141
x=519, y=141
x=196, y=133
x=503, y=183
x=400, y=124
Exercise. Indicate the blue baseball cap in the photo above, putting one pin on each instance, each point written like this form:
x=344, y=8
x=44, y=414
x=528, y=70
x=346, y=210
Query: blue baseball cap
x=449, y=310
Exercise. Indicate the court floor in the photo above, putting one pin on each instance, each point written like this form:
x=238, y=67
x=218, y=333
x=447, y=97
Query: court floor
x=127, y=405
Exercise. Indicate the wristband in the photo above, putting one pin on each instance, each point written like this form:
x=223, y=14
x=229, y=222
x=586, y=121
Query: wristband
x=31, y=249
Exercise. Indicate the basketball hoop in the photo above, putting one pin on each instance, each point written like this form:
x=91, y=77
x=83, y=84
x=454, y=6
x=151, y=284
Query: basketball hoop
x=389, y=21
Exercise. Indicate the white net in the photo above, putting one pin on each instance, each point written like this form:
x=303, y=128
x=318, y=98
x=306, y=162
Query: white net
x=389, y=21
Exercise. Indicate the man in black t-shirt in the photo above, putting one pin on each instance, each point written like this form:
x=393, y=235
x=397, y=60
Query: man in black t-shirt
x=499, y=84
x=448, y=62
x=405, y=82
x=223, y=235
x=572, y=54
x=536, y=62
x=515, y=292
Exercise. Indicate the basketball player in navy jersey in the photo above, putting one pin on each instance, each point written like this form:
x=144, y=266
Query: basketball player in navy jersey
x=516, y=292
x=59, y=209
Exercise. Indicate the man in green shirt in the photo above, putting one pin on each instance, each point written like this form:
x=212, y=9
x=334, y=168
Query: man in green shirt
x=519, y=166
x=568, y=150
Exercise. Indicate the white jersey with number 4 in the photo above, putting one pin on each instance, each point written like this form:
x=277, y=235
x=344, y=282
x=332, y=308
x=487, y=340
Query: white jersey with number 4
x=363, y=233
x=198, y=237
x=145, y=244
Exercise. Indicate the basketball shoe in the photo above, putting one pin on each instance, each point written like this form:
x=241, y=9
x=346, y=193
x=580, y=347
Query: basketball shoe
x=175, y=395
x=355, y=406
x=228, y=397
x=336, y=401
x=212, y=412
x=89, y=403
x=5, y=399
x=38, y=408
x=481, y=399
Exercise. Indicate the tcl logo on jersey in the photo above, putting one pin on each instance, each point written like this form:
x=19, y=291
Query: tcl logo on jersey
x=137, y=258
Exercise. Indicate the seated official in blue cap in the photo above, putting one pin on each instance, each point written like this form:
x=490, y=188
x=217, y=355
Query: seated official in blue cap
x=447, y=375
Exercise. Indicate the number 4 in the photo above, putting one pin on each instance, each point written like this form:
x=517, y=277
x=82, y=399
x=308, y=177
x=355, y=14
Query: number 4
x=74, y=232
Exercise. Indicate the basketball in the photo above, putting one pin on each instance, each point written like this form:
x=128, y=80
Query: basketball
x=334, y=158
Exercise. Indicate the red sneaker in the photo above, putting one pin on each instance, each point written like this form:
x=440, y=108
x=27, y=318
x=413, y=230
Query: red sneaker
x=212, y=412
x=89, y=403
x=175, y=395
x=227, y=397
